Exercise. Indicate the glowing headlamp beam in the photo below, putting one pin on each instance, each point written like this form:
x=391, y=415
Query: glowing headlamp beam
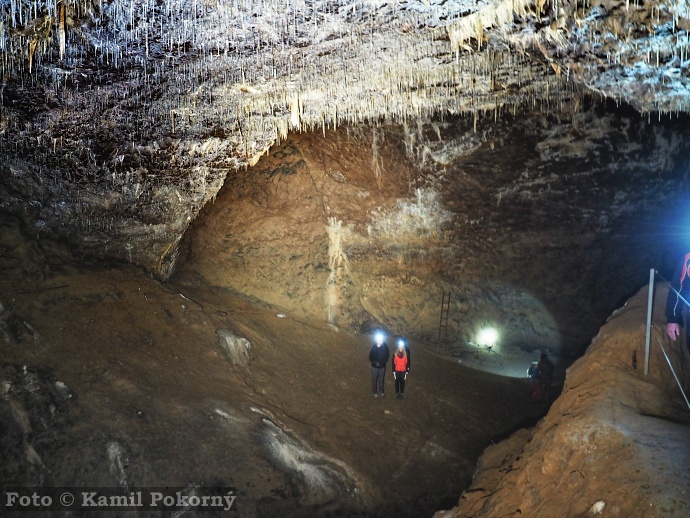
x=487, y=337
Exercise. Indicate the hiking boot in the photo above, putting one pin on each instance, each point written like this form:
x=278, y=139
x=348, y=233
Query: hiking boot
x=376, y=395
x=382, y=394
x=398, y=396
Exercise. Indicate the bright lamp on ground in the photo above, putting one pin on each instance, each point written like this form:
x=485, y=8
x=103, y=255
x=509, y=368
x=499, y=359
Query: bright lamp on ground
x=487, y=337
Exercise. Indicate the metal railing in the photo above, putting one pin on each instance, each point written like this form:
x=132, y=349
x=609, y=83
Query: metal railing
x=650, y=304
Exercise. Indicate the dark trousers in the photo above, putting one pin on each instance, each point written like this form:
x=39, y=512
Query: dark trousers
x=400, y=382
x=377, y=376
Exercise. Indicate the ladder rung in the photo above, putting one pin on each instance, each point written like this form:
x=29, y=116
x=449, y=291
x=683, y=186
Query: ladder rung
x=445, y=313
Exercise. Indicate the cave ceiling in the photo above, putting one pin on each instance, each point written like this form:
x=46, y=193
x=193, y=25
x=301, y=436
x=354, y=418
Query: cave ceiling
x=120, y=120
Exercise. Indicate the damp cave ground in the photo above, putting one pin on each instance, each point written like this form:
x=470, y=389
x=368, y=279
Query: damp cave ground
x=142, y=362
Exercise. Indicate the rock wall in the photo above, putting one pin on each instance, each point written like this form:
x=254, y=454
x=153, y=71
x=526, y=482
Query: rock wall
x=538, y=225
x=133, y=209
x=615, y=443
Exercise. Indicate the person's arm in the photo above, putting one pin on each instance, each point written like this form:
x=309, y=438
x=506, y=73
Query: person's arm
x=371, y=354
x=673, y=330
x=680, y=283
x=409, y=358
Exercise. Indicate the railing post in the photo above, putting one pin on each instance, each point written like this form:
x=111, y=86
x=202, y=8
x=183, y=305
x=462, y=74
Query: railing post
x=648, y=337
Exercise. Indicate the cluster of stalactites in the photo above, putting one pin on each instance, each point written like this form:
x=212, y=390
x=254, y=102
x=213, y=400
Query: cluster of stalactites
x=641, y=51
x=140, y=32
x=252, y=71
x=637, y=51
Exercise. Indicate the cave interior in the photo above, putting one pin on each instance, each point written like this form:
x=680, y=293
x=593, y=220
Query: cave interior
x=207, y=208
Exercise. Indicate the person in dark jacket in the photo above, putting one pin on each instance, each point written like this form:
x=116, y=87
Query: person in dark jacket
x=679, y=290
x=378, y=356
x=544, y=375
x=401, y=366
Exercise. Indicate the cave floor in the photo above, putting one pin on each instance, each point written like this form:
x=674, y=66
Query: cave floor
x=149, y=399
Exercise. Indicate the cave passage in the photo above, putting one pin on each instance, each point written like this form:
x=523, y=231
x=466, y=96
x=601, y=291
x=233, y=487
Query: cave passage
x=208, y=208
x=112, y=379
x=247, y=369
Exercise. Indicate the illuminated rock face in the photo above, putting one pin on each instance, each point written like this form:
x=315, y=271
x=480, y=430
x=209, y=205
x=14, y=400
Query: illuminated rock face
x=119, y=121
x=537, y=226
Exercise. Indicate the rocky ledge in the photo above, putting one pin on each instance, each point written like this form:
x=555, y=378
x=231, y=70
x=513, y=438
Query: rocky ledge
x=615, y=443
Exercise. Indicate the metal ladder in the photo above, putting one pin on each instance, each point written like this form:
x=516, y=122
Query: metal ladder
x=443, y=322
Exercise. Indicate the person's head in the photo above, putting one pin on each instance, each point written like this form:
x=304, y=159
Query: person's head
x=544, y=356
x=378, y=338
x=401, y=345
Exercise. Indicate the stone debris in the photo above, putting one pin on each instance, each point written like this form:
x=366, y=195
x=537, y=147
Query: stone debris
x=597, y=508
x=235, y=347
x=63, y=390
x=321, y=479
x=117, y=462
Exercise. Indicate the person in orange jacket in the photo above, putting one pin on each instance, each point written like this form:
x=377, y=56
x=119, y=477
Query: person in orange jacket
x=401, y=366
